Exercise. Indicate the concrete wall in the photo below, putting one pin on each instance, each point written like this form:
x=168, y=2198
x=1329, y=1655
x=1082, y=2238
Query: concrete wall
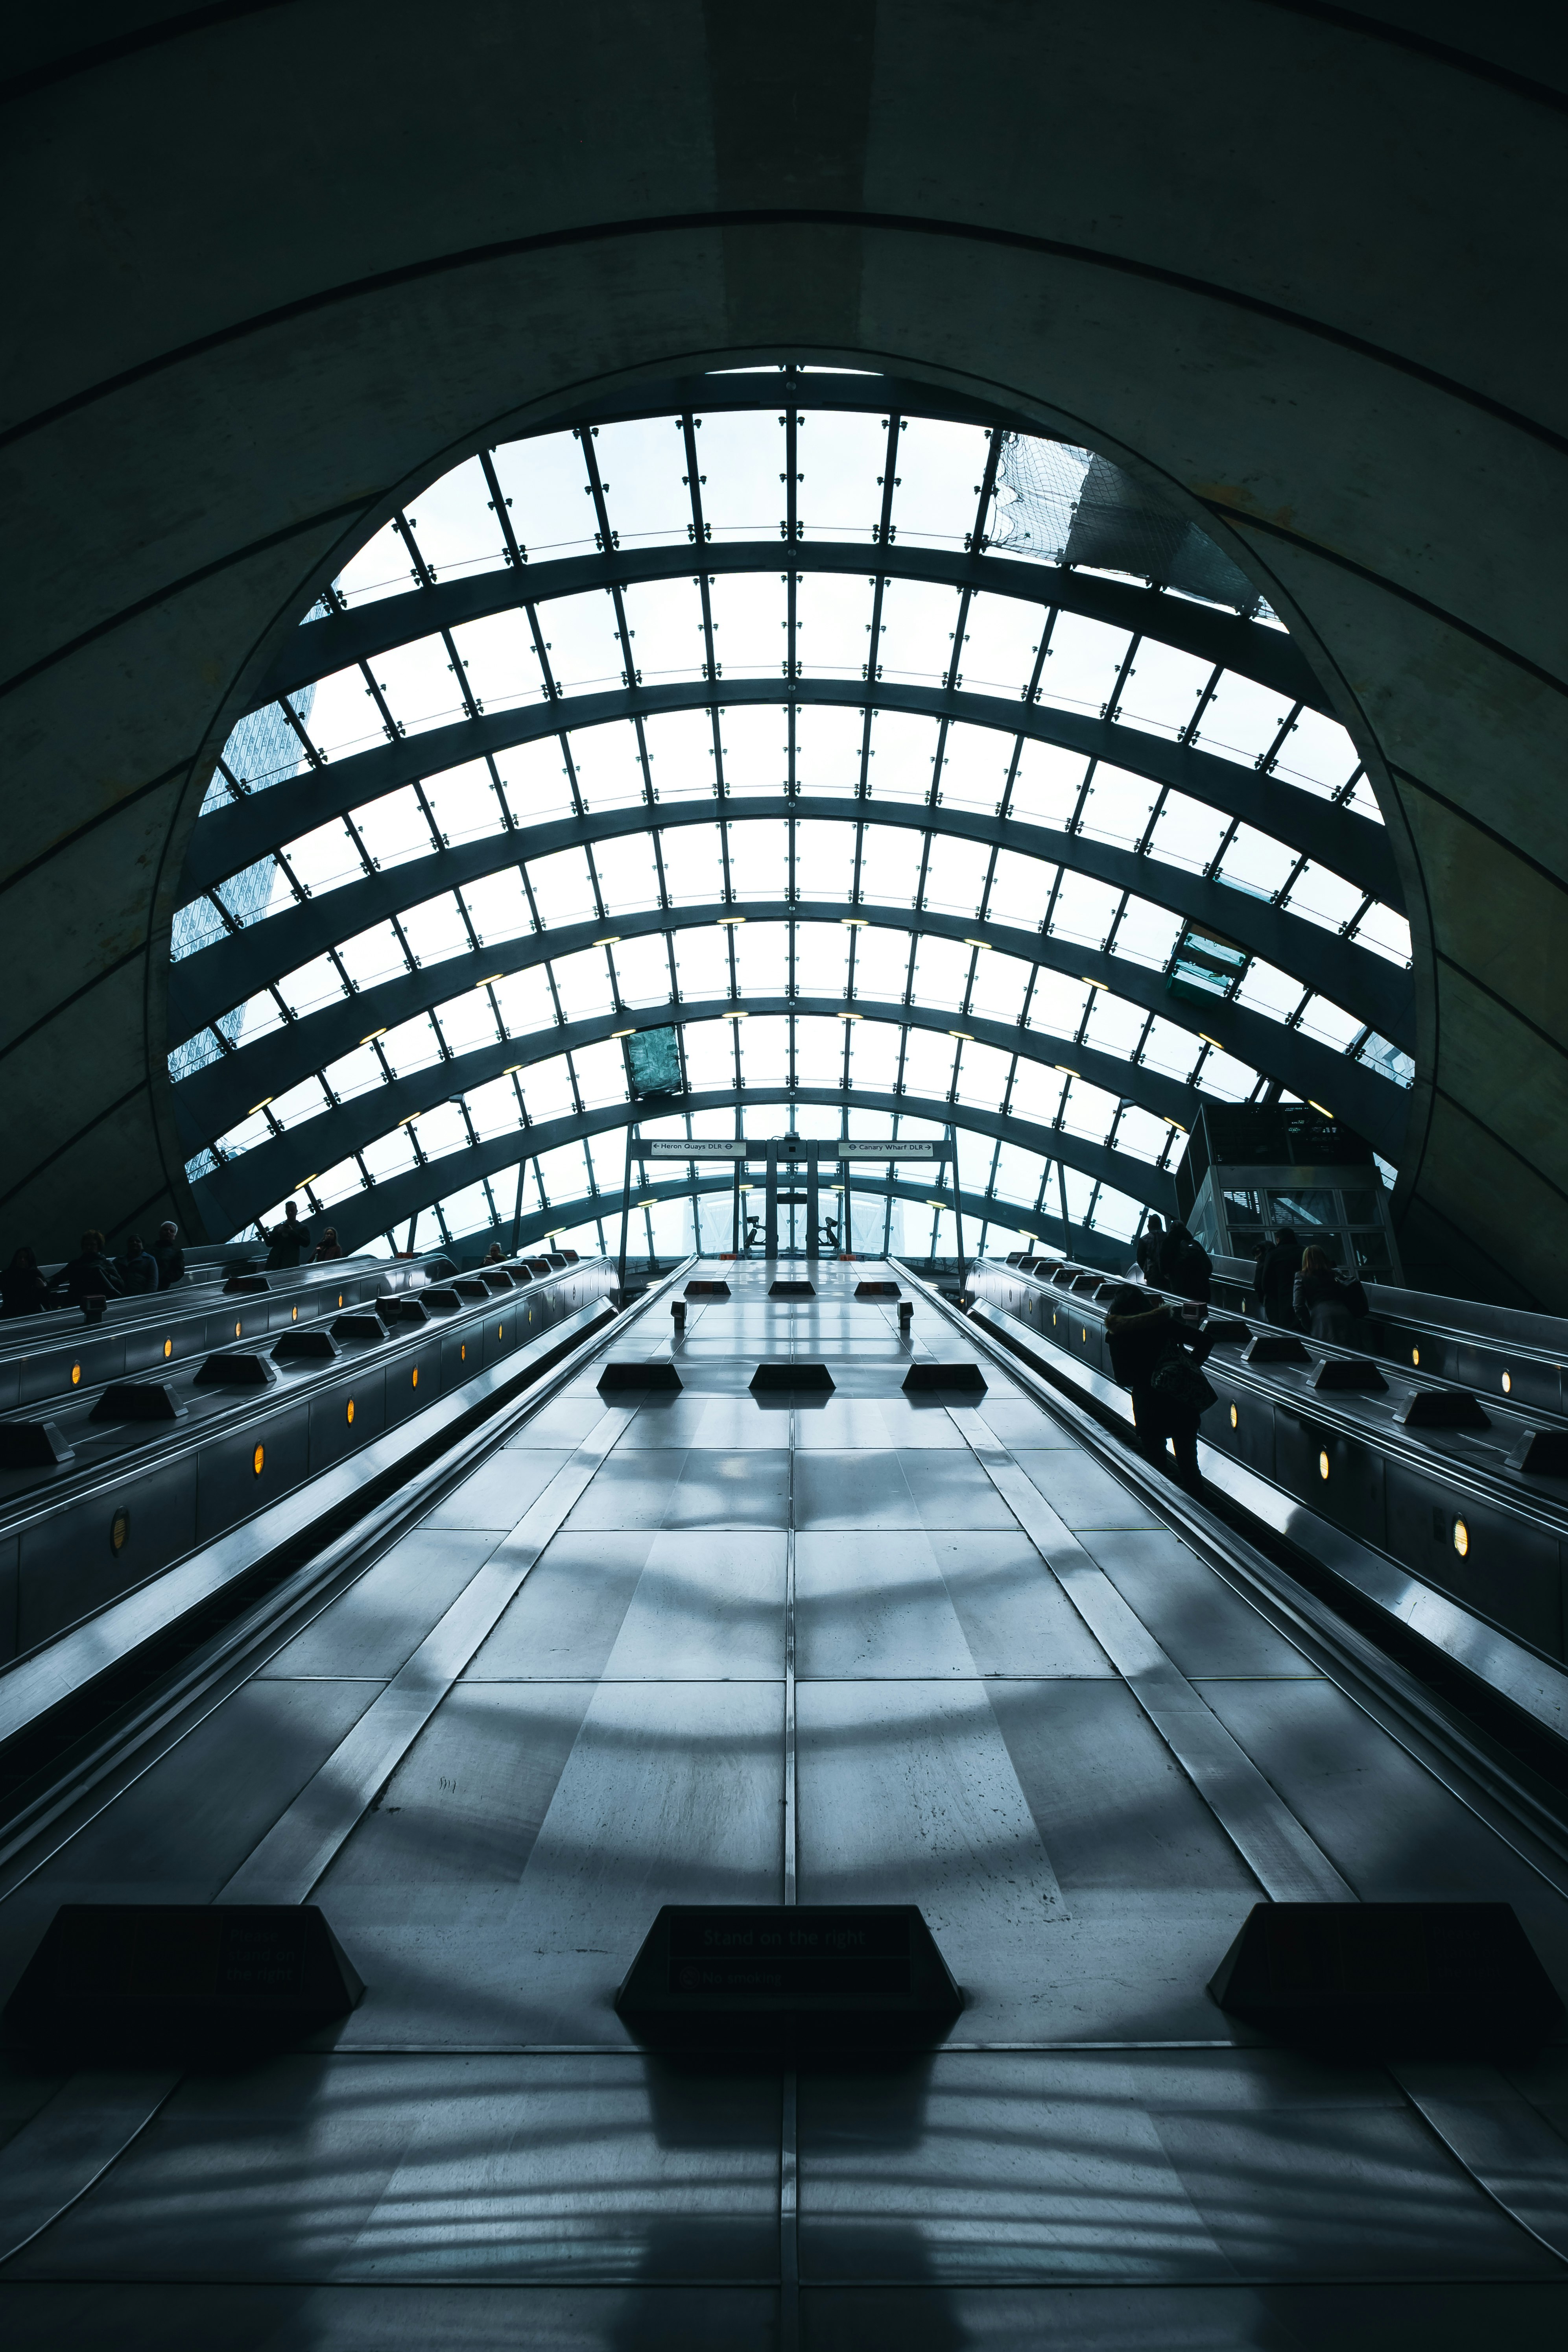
x=279, y=265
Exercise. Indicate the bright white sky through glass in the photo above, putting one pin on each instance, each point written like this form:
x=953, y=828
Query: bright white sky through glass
x=477, y=874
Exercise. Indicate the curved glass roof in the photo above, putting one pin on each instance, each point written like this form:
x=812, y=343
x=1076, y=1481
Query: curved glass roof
x=953, y=783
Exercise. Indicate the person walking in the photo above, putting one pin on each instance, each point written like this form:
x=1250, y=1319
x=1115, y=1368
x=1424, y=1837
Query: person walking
x=1275, y=1268
x=23, y=1288
x=1324, y=1302
x=1156, y=1353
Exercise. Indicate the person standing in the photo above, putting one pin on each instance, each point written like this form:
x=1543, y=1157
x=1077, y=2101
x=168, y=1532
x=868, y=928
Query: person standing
x=89, y=1274
x=327, y=1247
x=288, y=1243
x=1275, y=1267
x=1325, y=1303
x=171, y=1257
x=1147, y=1250
x=138, y=1268
x=1184, y=1266
x=1156, y=1353
x=22, y=1285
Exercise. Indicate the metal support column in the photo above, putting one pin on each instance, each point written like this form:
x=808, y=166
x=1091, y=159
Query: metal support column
x=771, y=1219
x=517, y=1212
x=812, y=1206
x=735, y=1219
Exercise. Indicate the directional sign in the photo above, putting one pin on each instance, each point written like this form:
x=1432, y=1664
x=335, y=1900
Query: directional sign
x=675, y=1147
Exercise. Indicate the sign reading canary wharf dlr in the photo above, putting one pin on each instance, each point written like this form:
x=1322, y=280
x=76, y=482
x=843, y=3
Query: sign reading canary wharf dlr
x=702, y=1147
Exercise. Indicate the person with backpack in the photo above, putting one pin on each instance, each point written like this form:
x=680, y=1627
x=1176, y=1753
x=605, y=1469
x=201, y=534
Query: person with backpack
x=1182, y=1264
x=1324, y=1302
x=1275, y=1268
x=1157, y=1352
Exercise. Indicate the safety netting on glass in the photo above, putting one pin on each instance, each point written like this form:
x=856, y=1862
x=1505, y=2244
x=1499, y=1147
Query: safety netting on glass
x=916, y=773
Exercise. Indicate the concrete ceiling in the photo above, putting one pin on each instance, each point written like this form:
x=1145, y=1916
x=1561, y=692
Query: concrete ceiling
x=285, y=263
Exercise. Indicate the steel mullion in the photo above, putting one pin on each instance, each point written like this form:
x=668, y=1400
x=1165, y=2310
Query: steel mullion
x=314, y=757
x=404, y=530
x=516, y=553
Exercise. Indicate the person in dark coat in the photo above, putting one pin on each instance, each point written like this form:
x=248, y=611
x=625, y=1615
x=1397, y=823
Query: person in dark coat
x=1144, y=1338
x=1183, y=1265
x=171, y=1257
x=1324, y=1302
x=89, y=1274
x=327, y=1247
x=1147, y=1250
x=288, y=1243
x=22, y=1285
x=1275, y=1264
x=137, y=1268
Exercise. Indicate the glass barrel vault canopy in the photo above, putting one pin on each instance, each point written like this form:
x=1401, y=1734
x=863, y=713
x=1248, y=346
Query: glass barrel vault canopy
x=916, y=771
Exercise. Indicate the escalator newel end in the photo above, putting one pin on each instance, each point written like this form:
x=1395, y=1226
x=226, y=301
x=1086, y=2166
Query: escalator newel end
x=1439, y=1979
x=645, y=1378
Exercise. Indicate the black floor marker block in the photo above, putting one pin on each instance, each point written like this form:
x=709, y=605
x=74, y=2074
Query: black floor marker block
x=766, y=1975
x=791, y=1290
x=115, y=1980
x=645, y=1379
x=1443, y=1979
x=708, y=1290
x=921, y=1379
x=791, y=1376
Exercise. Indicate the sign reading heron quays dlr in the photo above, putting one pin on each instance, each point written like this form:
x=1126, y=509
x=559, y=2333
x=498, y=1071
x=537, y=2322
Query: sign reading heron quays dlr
x=750, y=1972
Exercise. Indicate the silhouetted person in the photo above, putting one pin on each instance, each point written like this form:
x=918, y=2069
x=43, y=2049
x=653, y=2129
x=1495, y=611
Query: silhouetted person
x=137, y=1266
x=89, y=1274
x=494, y=1254
x=1182, y=1264
x=327, y=1247
x=1155, y=1352
x=22, y=1285
x=289, y=1243
x=1147, y=1250
x=1324, y=1302
x=171, y=1257
x=1275, y=1268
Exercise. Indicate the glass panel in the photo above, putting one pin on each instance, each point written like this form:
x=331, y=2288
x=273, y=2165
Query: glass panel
x=702, y=962
x=1187, y=834
x=582, y=640
x=1047, y=787
x=1001, y=982
x=563, y=889
x=652, y=1065
x=709, y=1047
x=381, y=568
x=1115, y=1026
x=761, y=959
x=1146, y=934
x=418, y=685
x=642, y=471
x=882, y=964
x=1371, y=1257
x=463, y=802
x=1317, y=754
x=755, y=741
x=322, y=860
x=841, y=462
x=664, y=621
x=919, y=620
x=547, y=1089
x=928, y=1063
x=525, y=1002
x=903, y=750
x=1386, y=932
x=955, y=875
x=821, y=959
x=1118, y=806
x=824, y=860
x=467, y=1021
x=818, y=1054
x=833, y=614
x=642, y=970
x=741, y=455
x=453, y=524
x=1083, y=665
x=545, y=484
x=983, y=1075
x=583, y=983
x=627, y=875
x=749, y=612
x=354, y=1073
x=764, y=1047
x=680, y=755
x=975, y=769
x=1242, y=718
x=827, y=750
x=1255, y=862
x=759, y=858
x=411, y=1046
x=343, y=719
x=942, y=973
x=609, y=772
x=1000, y=643
x=1084, y=910
x=1307, y=1211
x=939, y=468
x=873, y=1056
x=393, y=829
x=1329, y=1022
x=1058, y=1004
x=1162, y=689
x=534, y=778
x=372, y=955
x=1020, y=891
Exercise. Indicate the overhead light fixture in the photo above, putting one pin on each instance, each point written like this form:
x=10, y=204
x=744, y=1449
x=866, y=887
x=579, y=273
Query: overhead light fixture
x=1066, y=1069
x=411, y=1117
x=371, y=1038
x=967, y=1035
x=622, y=1033
x=1322, y=1108
x=737, y=1016
x=511, y=1066
x=1206, y=1039
x=937, y=1205
x=856, y=922
x=1177, y=1125
x=1093, y=983
x=490, y=980
x=978, y=943
x=612, y=941
x=300, y=1187
x=852, y=1016
x=261, y=1104
x=728, y=922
